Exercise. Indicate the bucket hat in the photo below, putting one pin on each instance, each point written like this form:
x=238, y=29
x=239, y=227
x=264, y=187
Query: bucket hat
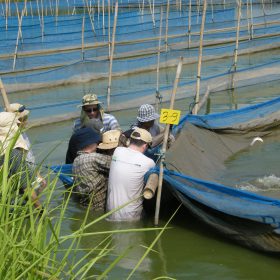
x=147, y=113
x=84, y=137
x=141, y=134
x=8, y=130
x=90, y=99
x=110, y=139
x=19, y=110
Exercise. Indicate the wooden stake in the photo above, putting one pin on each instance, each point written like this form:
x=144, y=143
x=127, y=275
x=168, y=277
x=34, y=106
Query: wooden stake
x=18, y=37
x=166, y=26
x=165, y=138
x=83, y=38
x=111, y=56
x=239, y=3
x=200, y=57
x=189, y=23
x=158, y=61
x=5, y=97
x=109, y=28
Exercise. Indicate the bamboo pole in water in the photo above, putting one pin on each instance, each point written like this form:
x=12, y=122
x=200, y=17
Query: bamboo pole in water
x=200, y=57
x=18, y=37
x=189, y=23
x=31, y=9
x=90, y=18
x=4, y=96
x=42, y=20
x=111, y=56
x=158, y=61
x=251, y=17
x=165, y=138
x=166, y=25
x=83, y=38
x=239, y=4
x=109, y=28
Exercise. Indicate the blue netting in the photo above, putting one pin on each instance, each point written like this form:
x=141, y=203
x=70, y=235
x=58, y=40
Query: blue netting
x=230, y=118
x=225, y=199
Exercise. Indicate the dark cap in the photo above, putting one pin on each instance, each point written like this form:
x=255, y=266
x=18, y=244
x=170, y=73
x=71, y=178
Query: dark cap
x=84, y=137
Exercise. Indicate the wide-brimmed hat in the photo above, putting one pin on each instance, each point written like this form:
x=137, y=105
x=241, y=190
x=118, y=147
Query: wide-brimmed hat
x=84, y=137
x=141, y=134
x=147, y=113
x=19, y=110
x=110, y=139
x=8, y=130
x=90, y=99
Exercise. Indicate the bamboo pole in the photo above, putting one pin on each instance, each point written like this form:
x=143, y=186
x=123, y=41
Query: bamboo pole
x=112, y=55
x=31, y=9
x=7, y=14
x=189, y=23
x=166, y=26
x=165, y=138
x=203, y=100
x=83, y=38
x=212, y=10
x=109, y=28
x=252, y=23
x=158, y=61
x=197, y=10
x=200, y=57
x=90, y=18
x=239, y=4
x=42, y=20
x=4, y=96
x=18, y=37
x=103, y=18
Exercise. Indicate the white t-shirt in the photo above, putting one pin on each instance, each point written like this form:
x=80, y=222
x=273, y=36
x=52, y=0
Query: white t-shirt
x=126, y=182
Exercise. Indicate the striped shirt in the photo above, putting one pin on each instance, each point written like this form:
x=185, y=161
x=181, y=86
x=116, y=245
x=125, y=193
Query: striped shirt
x=109, y=123
x=91, y=172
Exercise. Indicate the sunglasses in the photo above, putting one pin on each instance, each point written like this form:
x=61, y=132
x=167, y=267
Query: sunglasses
x=21, y=109
x=90, y=110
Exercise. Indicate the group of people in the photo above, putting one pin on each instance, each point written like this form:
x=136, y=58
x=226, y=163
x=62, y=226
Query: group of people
x=109, y=165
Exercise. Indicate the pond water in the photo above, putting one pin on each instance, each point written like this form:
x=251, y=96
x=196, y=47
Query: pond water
x=187, y=249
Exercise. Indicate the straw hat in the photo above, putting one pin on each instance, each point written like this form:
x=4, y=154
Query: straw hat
x=8, y=130
x=147, y=113
x=110, y=139
x=90, y=99
x=141, y=134
x=19, y=110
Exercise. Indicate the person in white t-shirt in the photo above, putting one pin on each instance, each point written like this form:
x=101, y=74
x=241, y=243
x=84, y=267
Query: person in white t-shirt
x=126, y=177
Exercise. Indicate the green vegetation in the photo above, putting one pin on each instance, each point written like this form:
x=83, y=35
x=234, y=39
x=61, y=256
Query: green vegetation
x=33, y=243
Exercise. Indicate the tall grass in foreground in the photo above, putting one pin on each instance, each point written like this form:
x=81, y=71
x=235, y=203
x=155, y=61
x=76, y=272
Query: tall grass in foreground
x=32, y=242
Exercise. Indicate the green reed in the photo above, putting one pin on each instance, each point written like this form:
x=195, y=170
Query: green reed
x=33, y=244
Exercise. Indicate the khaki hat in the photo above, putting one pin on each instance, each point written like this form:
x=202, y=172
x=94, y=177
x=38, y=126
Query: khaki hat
x=19, y=110
x=141, y=134
x=110, y=139
x=90, y=99
x=8, y=130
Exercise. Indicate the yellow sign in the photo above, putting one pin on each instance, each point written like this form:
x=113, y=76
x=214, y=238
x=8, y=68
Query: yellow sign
x=169, y=116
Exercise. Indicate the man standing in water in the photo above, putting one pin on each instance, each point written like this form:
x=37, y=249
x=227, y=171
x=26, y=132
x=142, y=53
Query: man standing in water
x=91, y=168
x=92, y=109
x=126, y=178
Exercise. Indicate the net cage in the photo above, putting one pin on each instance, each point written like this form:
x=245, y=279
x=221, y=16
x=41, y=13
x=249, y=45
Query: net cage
x=59, y=50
